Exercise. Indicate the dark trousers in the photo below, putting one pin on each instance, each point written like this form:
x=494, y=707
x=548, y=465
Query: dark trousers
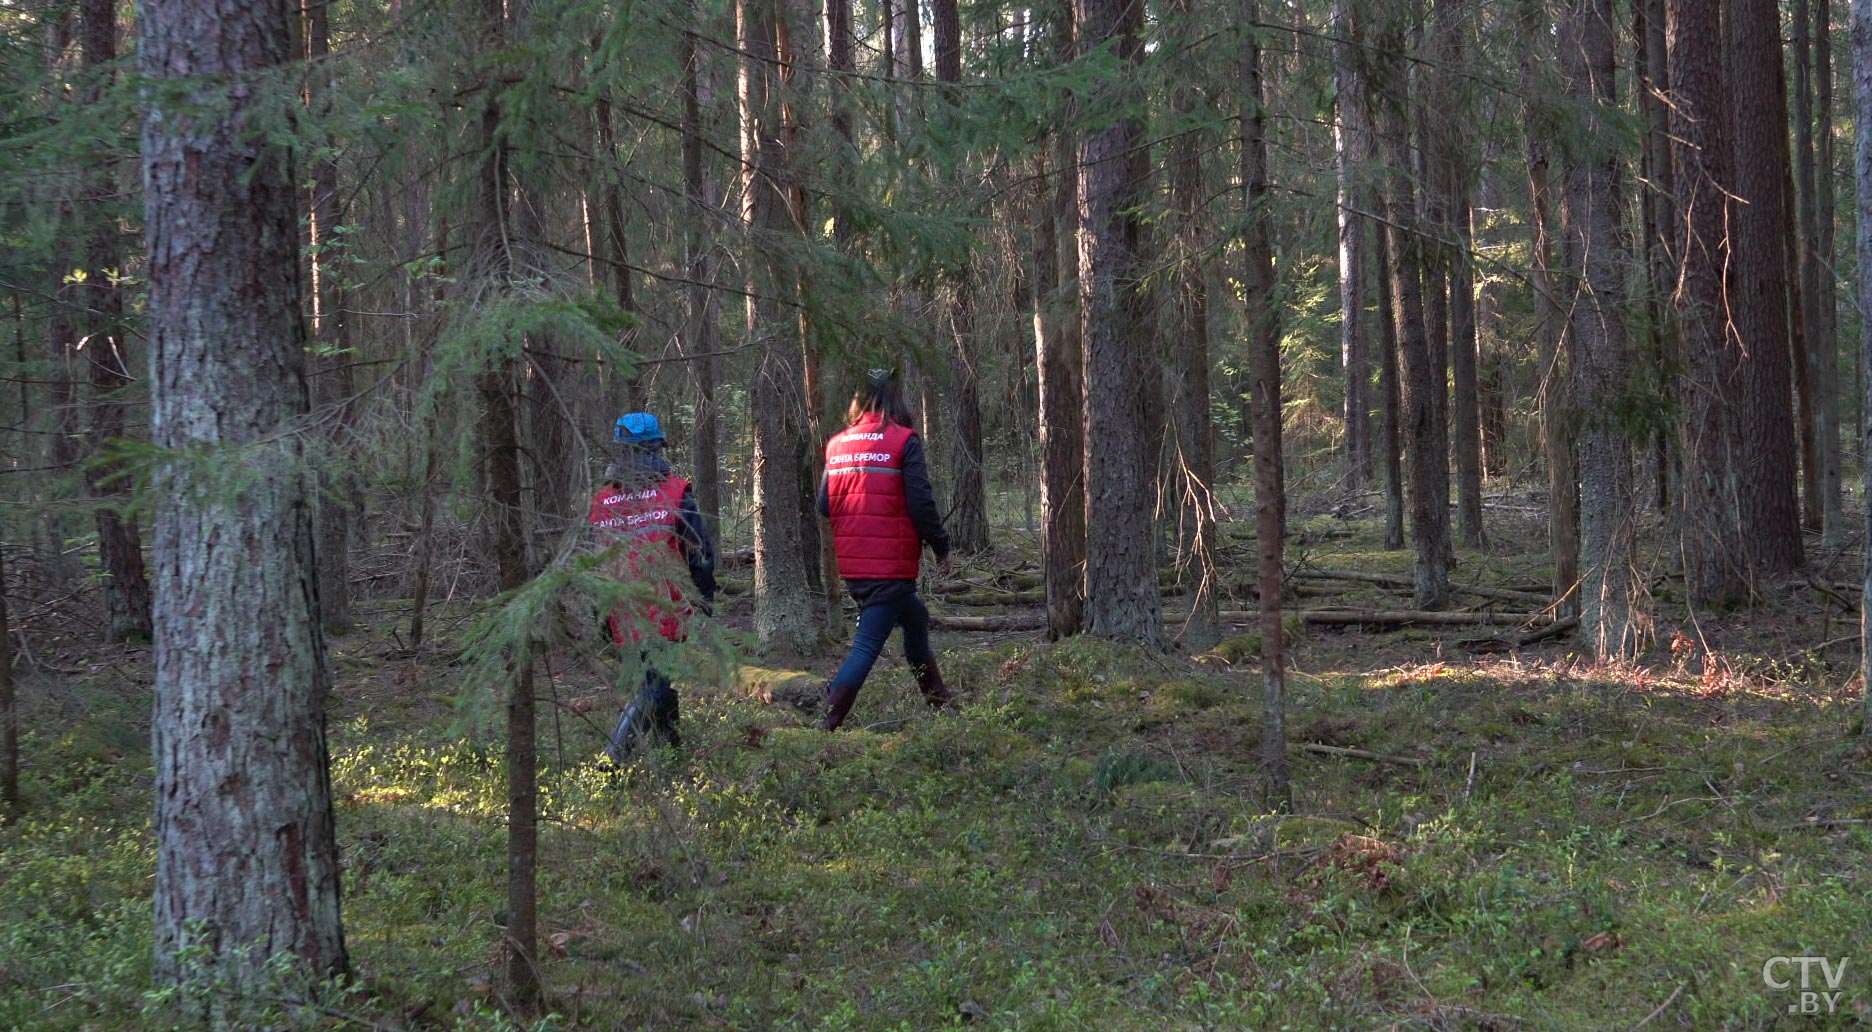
x=875, y=623
x=654, y=709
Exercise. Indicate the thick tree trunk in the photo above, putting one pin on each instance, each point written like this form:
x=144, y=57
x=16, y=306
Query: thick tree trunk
x=1596, y=259
x=1426, y=442
x=120, y=545
x=1191, y=465
x=1709, y=507
x=246, y=856
x=1121, y=546
x=783, y=601
x=1657, y=215
x=1060, y=367
x=1351, y=152
x=1758, y=284
x=1263, y=313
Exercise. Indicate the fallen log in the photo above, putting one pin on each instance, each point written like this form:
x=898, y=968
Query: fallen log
x=1389, y=580
x=1483, y=646
x=1357, y=754
x=1033, y=621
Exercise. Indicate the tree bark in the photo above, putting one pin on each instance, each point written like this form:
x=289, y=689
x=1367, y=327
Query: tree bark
x=1192, y=464
x=1825, y=328
x=1426, y=441
x=1862, y=180
x=1390, y=422
x=246, y=856
x=9, y=712
x=120, y=545
x=1596, y=261
x=1758, y=285
x=1657, y=213
x=968, y=519
x=783, y=602
x=1453, y=245
x=333, y=383
x=1351, y=151
x=703, y=330
x=1121, y=547
x=1060, y=368
x=1810, y=365
x=1263, y=313
x=1709, y=506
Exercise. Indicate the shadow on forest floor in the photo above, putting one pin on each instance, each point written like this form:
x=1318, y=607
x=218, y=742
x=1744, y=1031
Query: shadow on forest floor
x=1076, y=845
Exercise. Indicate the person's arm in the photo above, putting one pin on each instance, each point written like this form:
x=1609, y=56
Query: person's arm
x=697, y=547
x=921, y=499
x=825, y=498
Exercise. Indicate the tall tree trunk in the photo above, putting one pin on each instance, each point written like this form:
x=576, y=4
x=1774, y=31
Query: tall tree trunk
x=333, y=382
x=1390, y=424
x=1811, y=365
x=1121, y=547
x=783, y=602
x=227, y=372
x=491, y=269
x=702, y=333
x=9, y=712
x=1426, y=442
x=1191, y=467
x=1709, y=507
x=1862, y=180
x=120, y=545
x=1453, y=246
x=1060, y=368
x=1825, y=328
x=1351, y=152
x=1555, y=406
x=1758, y=284
x=968, y=520
x=1263, y=313
x=1657, y=214
x=1596, y=261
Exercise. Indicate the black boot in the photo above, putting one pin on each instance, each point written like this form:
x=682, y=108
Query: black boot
x=837, y=705
x=630, y=727
x=929, y=680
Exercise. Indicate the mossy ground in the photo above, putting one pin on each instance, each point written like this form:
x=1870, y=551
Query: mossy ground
x=1076, y=845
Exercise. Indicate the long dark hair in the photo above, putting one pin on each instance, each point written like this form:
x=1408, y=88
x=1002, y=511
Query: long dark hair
x=880, y=394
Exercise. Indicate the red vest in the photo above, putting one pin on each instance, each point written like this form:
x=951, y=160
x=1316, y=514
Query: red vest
x=644, y=526
x=871, y=528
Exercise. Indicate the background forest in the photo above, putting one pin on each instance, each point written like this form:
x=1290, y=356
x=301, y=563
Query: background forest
x=1397, y=451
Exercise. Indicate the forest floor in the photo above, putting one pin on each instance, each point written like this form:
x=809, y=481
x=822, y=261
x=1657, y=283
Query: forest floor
x=1075, y=845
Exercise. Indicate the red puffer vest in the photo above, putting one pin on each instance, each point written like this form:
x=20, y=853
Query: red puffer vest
x=871, y=528
x=645, y=527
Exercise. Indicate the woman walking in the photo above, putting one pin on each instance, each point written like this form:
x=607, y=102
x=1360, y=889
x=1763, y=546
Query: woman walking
x=877, y=494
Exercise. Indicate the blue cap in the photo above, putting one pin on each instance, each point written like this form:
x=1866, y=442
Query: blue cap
x=637, y=428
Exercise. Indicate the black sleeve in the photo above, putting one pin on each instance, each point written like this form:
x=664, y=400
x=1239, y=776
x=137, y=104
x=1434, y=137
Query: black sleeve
x=697, y=547
x=825, y=498
x=921, y=498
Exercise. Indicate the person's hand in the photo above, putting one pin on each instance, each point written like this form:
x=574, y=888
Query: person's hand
x=945, y=566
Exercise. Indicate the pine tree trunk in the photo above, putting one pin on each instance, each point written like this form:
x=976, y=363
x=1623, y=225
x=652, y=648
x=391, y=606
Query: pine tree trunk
x=1556, y=410
x=703, y=330
x=1825, y=328
x=1351, y=151
x=1657, y=214
x=1453, y=263
x=1390, y=425
x=968, y=518
x=1862, y=180
x=9, y=712
x=1263, y=313
x=1060, y=366
x=1426, y=443
x=1758, y=285
x=783, y=601
x=1596, y=260
x=120, y=545
x=1121, y=547
x=333, y=381
x=1811, y=364
x=1191, y=465
x=246, y=856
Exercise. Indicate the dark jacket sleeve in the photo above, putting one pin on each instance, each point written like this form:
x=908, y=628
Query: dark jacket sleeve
x=697, y=547
x=825, y=498
x=921, y=498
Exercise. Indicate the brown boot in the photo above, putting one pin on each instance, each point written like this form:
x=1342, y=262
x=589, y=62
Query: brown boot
x=836, y=707
x=929, y=679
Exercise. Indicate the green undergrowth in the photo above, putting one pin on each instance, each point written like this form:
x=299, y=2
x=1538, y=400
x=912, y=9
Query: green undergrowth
x=1077, y=845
